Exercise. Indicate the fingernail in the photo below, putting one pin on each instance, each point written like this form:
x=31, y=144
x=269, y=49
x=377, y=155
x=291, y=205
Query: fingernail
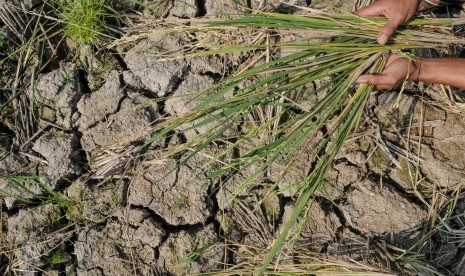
x=383, y=39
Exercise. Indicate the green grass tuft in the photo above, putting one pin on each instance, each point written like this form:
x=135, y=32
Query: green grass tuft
x=85, y=20
x=56, y=259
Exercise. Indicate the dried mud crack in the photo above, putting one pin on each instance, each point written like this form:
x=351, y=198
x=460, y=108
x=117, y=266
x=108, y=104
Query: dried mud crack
x=85, y=191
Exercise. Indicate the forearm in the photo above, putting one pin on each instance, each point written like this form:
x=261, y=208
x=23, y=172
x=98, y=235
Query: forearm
x=449, y=71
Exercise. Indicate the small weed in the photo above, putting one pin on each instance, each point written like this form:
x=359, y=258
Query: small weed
x=379, y=161
x=85, y=20
x=192, y=256
x=56, y=259
x=28, y=195
x=74, y=211
x=195, y=254
x=183, y=202
x=54, y=220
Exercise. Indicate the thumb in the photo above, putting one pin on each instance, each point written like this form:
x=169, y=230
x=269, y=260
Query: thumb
x=370, y=79
x=388, y=30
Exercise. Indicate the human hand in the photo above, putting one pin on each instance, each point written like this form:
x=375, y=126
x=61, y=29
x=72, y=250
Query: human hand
x=396, y=11
x=397, y=70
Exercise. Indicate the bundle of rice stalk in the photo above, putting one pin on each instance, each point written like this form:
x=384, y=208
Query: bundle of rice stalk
x=346, y=48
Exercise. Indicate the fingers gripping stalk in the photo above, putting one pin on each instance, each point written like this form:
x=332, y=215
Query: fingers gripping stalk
x=397, y=12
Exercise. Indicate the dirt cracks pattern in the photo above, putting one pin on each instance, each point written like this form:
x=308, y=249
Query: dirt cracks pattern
x=148, y=226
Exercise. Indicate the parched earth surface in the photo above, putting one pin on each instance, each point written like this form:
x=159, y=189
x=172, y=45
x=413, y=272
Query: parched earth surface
x=99, y=214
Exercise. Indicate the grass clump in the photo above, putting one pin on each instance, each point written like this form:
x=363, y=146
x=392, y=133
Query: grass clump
x=85, y=20
x=56, y=259
x=24, y=189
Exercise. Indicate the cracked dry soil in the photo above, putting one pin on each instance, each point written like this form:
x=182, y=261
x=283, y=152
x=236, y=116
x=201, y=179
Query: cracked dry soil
x=149, y=220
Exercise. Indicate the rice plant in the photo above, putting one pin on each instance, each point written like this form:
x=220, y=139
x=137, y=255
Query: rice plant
x=275, y=125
